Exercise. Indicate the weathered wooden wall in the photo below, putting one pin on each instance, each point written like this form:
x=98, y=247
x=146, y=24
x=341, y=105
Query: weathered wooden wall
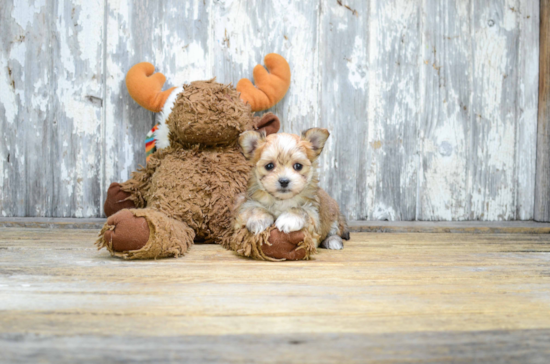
x=542, y=180
x=432, y=105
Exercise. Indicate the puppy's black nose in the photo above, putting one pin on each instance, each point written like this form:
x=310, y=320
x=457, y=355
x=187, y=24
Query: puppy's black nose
x=284, y=182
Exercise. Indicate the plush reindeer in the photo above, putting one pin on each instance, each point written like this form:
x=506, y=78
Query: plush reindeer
x=186, y=192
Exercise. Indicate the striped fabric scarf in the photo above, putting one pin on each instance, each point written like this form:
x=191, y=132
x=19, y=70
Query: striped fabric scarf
x=150, y=143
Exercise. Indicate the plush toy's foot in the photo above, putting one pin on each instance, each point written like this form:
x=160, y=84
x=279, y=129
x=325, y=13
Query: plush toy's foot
x=284, y=246
x=128, y=232
x=117, y=200
x=273, y=244
x=145, y=234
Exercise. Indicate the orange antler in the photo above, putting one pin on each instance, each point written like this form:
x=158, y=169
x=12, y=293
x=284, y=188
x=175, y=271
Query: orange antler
x=145, y=87
x=270, y=87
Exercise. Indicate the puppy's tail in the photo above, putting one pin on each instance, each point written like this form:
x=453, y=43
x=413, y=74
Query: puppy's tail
x=343, y=227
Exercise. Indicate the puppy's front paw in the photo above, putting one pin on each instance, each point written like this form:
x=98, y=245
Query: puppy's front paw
x=288, y=223
x=333, y=242
x=257, y=224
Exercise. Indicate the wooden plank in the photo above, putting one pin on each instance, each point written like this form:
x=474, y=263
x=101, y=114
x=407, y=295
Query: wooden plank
x=172, y=37
x=396, y=297
x=393, y=106
x=526, y=107
x=499, y=346
x=53, y=223
x=344, y=78
x=508, y=227
x=477, y=227
x=542, y=189
x=478, y=131
x=51, y=97
x=21, y=24
x=495, y=47
x=446, y=96
x=132, y=30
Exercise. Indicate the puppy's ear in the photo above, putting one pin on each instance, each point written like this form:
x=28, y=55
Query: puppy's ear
x=317, y=137
x=250, y=140
x=268, y=122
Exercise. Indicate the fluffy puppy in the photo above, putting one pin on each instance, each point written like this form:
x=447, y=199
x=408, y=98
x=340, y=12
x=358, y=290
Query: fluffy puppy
x=283, y=187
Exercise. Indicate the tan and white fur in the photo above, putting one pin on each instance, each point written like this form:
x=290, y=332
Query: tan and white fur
x=283, y=187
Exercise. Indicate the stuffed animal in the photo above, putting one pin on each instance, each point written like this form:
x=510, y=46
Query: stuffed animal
x=186, y=191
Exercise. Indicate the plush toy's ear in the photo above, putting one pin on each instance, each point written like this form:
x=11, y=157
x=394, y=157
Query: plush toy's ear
x=144, y=85
x=270, y=87
x=269, y=123
x=317, y=137
x=249, y=141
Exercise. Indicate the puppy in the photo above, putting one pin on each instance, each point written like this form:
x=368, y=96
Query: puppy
x=283, y=187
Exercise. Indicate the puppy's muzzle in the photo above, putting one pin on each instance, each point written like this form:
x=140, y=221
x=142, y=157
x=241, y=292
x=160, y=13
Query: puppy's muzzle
x=284, y=182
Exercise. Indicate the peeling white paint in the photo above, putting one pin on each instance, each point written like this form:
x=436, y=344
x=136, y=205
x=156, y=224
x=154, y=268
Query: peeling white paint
x=357, y=71
x=7, y=94
x=18, y=52
x=511, y=9
x=92, y=30
x=24, y=11
x=190, y=64
x=67, y=179
x=491, y=49
x=383, y=213
x=39, y=100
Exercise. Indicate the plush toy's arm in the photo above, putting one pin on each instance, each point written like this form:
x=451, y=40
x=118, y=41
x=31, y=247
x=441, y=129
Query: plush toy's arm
x=272, y=244
x=133, y=192
x=117, y=200
x=138, y=186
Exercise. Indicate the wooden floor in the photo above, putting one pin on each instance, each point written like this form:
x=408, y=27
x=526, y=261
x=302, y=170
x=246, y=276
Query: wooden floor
x=457, y=298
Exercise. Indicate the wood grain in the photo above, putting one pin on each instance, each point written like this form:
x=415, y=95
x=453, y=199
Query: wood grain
x=542, y=190
x=439, y=295
x=51, y=108
x=469, y=227
x=343, y=101
x=432, y=106
x=493, y=117
x=446, y=94
x=393, y=109
x=499, y=346
x=528, y=19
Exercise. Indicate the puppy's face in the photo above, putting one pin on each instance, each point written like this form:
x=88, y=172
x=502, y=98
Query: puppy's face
x=283, y=163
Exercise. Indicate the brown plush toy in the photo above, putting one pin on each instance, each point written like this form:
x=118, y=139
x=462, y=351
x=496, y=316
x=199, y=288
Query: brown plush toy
x=186, y=192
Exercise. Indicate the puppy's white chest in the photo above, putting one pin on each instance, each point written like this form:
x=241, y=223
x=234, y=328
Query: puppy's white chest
x=280, y=207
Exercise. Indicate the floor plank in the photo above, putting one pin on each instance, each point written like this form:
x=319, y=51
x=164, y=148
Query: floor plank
x=469, y=227
x=396, y=297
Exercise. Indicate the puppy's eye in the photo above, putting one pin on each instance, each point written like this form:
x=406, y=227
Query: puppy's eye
x=269, y=166
x=298, y=166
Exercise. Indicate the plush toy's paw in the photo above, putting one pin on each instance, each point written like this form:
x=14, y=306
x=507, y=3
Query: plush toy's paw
x=129, y=233
x=289, y=222
x=116, y=200
x=257, y=224
x=284, y=246
x=333, y=242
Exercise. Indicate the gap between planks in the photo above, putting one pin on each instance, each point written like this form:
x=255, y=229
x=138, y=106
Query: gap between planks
x=472, y=227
